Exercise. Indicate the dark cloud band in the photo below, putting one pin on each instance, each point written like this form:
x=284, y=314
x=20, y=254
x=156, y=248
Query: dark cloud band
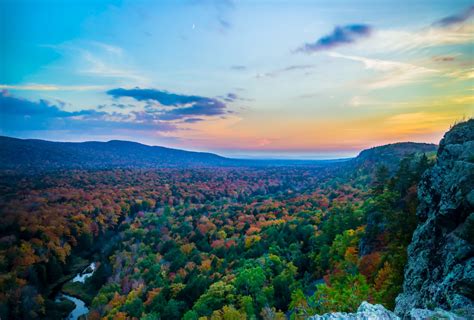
x=184, y=105
x=17, y=114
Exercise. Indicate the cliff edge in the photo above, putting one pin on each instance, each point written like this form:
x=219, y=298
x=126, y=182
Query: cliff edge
x=440, y=269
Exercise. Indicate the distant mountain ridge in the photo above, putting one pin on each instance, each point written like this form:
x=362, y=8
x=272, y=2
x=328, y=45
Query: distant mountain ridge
x=33, y=154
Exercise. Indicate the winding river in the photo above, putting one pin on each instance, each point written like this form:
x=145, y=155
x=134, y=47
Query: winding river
x=80, y=306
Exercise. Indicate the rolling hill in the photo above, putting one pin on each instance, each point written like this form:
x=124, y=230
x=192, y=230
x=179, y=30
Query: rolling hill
x=390, y=155
x=39, y=154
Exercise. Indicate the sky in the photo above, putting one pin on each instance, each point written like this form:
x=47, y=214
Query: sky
x=264, y=79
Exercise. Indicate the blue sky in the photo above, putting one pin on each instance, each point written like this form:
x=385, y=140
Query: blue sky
x=269, y=78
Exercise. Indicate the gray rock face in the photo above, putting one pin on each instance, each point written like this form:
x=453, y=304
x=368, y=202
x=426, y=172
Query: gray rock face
x=423, y=314
x=366, y=311
x=369, y=311
x=440, y=269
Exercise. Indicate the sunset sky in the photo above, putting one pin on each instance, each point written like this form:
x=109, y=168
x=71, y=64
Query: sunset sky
x=291, y=79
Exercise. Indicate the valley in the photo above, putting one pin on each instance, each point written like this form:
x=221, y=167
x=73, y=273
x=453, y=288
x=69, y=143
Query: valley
x=256, y=241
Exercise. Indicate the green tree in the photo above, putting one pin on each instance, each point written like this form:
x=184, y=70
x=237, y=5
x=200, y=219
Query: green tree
x=344, y=294
x=218, y=294
x=250, y=281
x=134, y=307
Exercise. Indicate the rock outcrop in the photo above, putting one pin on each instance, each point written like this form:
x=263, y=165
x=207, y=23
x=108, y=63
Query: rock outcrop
x=424, y=314
x=366, y=311
x=440, y=269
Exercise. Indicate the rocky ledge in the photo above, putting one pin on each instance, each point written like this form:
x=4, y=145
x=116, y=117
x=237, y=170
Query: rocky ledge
x=369, y=311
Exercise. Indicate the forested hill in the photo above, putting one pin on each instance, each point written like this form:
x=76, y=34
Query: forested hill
x=40, y=154
x=33, y=154
x=389, y=155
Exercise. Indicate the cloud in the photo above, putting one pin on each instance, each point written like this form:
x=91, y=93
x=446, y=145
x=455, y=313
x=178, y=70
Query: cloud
x=116, y=105
x=444, y=58
x=163, y=97
x=298, y=67
x=339, y=36
x=185, y=105
x=278, y=72
x=395, y=73
x=404, y=41
x=418, y=123
x=455, y=19
x=195, y=110
x=358, y=101
x=98, y=61
x=220, y=11
x=231, y=97
x=99, y=66
x=109, y=48
x=449, y=31
x=224, y=23
x=17, y=114
x=464, y=74
x=193, y=120
x=223, y=8
x=49, y=87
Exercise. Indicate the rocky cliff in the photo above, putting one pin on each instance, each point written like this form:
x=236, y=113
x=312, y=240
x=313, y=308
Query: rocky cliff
x=440, y=269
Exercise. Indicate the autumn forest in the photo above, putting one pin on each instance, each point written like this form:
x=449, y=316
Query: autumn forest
x=249, y=242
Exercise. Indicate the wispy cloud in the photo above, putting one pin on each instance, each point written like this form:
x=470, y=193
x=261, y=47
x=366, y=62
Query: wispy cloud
x=99, y=67
x=238, y=67
x=418, y=123
x=448, y=31
x=456, y=18
x=49, y=87
x=116, y=105
x=447, y=58
x=395, y=73
x=404, y=41
x=223, y=8
x=231, y=97
x=464, y=74
x=98, y=61
x=278, y=72
x=341, y=35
